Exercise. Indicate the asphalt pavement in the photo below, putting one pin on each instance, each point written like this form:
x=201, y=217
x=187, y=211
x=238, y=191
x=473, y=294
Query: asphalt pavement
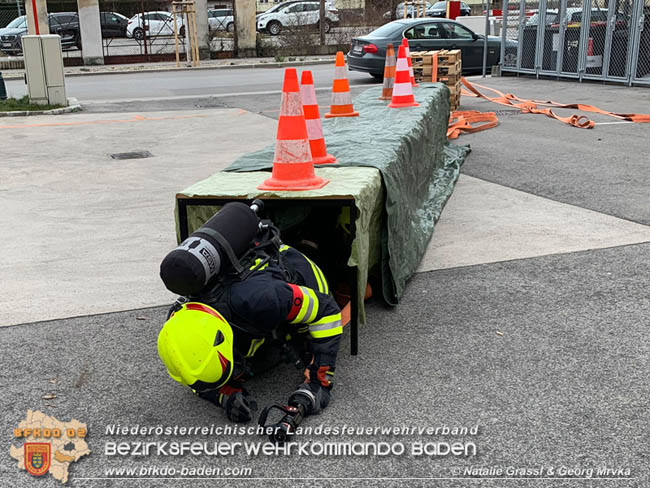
x=546, y=351
x=183, y=86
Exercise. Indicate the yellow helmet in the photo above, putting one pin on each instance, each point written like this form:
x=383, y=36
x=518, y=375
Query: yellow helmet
x=196, y=346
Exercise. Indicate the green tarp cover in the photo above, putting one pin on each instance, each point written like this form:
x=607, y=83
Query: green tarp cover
x=363, y=184
x=419, y=169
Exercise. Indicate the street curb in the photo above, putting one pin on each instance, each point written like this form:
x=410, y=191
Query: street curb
x=73, y=106
x=18, y=76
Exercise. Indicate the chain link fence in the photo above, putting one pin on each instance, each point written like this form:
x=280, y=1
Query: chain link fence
x=9, y=11
x=132, y=30
x=585, y=39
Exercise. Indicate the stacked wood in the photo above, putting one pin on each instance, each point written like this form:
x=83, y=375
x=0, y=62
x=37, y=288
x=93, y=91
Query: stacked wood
x=443, y=66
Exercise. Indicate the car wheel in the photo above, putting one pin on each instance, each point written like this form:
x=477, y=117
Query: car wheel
x=79, y=44
x=181, y=32
x=326, y=26
x=274, y=27
x=230, y=27
x=138, y=34
x=510, y=59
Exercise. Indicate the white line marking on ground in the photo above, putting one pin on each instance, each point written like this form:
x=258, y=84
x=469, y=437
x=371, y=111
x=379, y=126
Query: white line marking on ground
x=186, y=97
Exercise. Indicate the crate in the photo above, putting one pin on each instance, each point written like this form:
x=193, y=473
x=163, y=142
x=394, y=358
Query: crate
x=426, y=74
x=424, y=57
x=448, y=70
x=449, y=57
x=454, y=95
x=449, y=79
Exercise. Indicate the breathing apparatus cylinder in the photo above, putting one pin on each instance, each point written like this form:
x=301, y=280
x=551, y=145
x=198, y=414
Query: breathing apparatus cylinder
x=210, y=249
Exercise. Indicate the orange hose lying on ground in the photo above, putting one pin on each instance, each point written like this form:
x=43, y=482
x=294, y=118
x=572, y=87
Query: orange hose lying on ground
x=461, y=122
x=542, y=107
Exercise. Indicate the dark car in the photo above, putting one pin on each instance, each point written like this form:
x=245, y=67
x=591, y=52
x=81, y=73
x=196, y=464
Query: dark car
x=11, y=36
x=66, y=25
x=113, y=24
x=368, y=53
x=439, y=9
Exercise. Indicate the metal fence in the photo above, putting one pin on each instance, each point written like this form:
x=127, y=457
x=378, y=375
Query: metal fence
x=605, y=40
x=9, y=11
x=151, y=39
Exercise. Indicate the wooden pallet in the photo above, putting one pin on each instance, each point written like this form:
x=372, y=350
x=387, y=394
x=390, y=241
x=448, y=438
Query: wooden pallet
x=445, y=57
x=427, y=76
x=424, y=57
x=448, y=70
x=427, y=69
x=449, y=79
x=449, y=57
x=454, y=96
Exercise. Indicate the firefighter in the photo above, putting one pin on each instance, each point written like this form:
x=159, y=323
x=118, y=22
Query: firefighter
x=209, y=342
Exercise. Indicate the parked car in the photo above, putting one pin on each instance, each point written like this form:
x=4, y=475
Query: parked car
x=295, y=14
x=410, y=11
x=368, y=53
x=66, y=25
x=155, y=23
x=10, y=36
x=113, y=24
x=573, y=17
x=221, y=19
x=61, y=23
x=439, y=9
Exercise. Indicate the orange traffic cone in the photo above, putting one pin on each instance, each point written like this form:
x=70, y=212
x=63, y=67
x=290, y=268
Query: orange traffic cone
x=312, y=119
x=389, y=74
x=292, y=165
x=405, y=43
x=341, y=98
x=402, y=91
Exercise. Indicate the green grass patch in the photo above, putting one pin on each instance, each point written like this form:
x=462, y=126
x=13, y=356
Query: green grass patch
x=23, y=104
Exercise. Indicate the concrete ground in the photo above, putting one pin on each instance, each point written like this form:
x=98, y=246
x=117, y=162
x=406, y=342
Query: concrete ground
x=528, y=318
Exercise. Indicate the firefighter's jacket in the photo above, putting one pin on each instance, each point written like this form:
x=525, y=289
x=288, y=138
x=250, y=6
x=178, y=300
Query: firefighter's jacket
x=289, y=293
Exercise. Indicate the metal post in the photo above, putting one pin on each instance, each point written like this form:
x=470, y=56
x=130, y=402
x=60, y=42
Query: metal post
x=541, y=37
x=354, y=290
x=321, y=22
x=504, y=30
x=174, y=13
x=235, y=40
x=485, y=37
x=144, y=30
x=3, y=90
x=634, y=46
x=609, y=34
x=20, y=13
x=520, y=38
x=560, y=37
x=585, y=25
